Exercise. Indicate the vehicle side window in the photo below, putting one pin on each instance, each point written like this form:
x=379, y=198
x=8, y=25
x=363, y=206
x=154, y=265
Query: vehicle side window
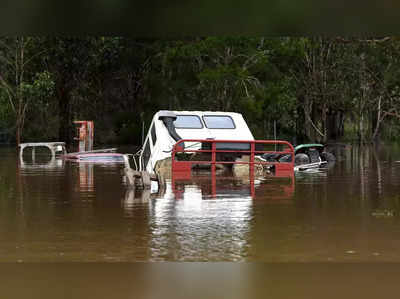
x=188, y=122
x=153, y=134
x=219, y=122
x=146, y=154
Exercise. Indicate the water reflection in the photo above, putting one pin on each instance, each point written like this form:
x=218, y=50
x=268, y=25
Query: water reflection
x=196, y=227
x=86, y=178
x=43, y=163
x=188, y=221
x=74, y=212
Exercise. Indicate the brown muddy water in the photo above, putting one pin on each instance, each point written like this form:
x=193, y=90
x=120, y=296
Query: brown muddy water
x=59, y=211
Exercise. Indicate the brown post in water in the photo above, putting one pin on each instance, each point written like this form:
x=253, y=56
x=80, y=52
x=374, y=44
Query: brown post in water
x=85, y=135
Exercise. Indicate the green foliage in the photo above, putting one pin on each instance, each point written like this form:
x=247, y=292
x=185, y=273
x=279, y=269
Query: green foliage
x=304, y=85
x=5, y=112
x=42, y=122
x=41, y=88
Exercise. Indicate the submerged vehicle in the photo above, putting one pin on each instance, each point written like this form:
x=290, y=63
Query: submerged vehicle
x=306, y=156
x=169, y=127
x=186, y=140
x=311, y=156
x=96, y=157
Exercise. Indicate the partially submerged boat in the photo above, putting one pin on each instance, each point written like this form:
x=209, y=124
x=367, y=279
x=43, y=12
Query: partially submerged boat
x=96, y=157
x=183, y=141
x=85, y=140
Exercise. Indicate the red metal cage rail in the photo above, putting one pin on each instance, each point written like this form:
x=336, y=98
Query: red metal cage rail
x=214, y=149
x=218, y=150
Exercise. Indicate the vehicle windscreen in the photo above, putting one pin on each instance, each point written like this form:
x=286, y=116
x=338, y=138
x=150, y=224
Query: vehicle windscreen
x=188, y=122
x=218, y=122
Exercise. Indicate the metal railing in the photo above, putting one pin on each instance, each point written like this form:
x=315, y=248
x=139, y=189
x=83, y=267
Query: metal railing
x=227, y=152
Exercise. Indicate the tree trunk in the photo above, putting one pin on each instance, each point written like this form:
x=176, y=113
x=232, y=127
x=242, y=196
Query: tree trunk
x=379, y=119
x=324, y=124
x=334, y=125
x=300, y=121
x=307, y=115
x=19, y=125
x=18, y=133
x=341, y=124
x=361, y=128
x=363, y=98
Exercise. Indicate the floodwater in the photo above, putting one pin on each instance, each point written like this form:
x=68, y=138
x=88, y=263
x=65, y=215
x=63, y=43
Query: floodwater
x=60, y=211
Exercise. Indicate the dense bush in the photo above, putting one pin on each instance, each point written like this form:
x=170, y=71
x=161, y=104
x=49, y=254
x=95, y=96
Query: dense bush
x=310, y=89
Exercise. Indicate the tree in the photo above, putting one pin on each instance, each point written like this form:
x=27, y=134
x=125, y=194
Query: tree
x=317, y=89
x=18, y=82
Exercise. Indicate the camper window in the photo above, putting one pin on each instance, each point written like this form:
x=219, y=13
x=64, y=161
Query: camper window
x=153, y=134
x=219, y=122
x=146, y=154
x=188, y=122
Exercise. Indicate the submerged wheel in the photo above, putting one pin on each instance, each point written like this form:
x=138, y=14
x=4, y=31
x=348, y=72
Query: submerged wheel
x=329, y=157
x=301, y=159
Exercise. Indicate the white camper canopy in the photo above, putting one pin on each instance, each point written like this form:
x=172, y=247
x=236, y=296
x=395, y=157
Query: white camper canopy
x=167, y=127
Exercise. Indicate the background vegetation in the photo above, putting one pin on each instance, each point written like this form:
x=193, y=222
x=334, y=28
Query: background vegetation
x=313, y=89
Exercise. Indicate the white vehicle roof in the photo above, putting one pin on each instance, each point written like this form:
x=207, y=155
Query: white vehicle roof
x=239, y=132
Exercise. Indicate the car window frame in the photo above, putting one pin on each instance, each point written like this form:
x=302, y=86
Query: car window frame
x=233, y=122
x=191, y=128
